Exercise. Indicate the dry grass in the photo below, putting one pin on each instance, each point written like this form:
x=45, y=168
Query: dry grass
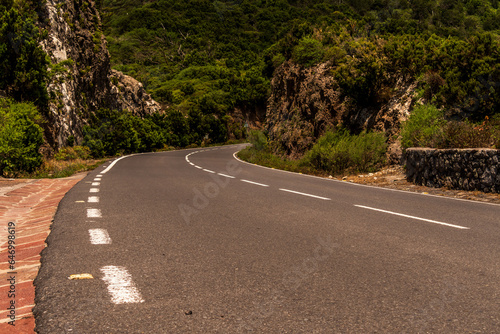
x=55, y=168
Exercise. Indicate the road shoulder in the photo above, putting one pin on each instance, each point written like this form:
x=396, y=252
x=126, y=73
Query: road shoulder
x=28, y=208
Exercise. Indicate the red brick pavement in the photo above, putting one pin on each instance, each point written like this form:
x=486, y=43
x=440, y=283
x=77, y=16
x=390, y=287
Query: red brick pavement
x=31, y=205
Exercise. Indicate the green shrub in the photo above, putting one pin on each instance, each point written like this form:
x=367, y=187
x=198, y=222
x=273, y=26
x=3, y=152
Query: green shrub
x=73, y=153
x=308, y=52
x=112, y=132
x=20, y=137
x=258, y=139
x=424, y=127
x=362, y=70
x=494, y=129
x=465, y=135
x=339, y=151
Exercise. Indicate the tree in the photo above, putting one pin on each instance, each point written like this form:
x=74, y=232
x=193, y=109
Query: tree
x=23, y=63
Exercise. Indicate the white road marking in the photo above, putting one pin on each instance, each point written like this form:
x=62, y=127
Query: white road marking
x=208, y=171
x=305, y=194
x=258, y=184
x=413, y=217
x=94, y=213
x=94, y=190
x=120, y=285
x=97, y=179
x=95, y=184
x=367, y=186
x=93, y=199
x=99, y=175
x=228, y=176
x=99, y=236
x=198, y=167
x=113, y=163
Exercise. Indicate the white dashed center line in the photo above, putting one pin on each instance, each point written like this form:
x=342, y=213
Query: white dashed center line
x=304, y=194
x=120, y=285
x=95, y=184
x=228, y=176
x=257, y=184
x=93, y=199
x=99, y=236
x=208, y=171
x=94, y=213
x=94, y=190
x=413, y=217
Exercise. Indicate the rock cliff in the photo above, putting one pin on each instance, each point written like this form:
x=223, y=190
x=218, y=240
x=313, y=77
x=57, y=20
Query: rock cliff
x=81, y=77
x=304, y=103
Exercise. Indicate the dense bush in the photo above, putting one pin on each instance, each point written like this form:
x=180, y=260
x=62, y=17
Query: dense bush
x=424, y=127
x=339, y=151
x=258, y=139
x=308, y=52
x=112, y=132
x=20, y=137
x=427, y=127
x=464, y=134
x=336, y=152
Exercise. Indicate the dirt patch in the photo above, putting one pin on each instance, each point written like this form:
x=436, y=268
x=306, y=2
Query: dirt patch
x=394, y=178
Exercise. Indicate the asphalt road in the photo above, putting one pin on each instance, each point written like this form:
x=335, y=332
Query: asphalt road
x=195, y=241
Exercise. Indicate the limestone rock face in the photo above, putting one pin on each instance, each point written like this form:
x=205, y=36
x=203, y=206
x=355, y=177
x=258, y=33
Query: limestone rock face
x=129, y=94
x=82, y=80
x=304, y=103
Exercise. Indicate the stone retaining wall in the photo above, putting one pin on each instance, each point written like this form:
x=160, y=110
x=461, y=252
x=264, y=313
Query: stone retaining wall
x=466, y=169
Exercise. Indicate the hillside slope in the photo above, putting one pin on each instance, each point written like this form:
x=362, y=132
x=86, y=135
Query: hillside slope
x=81, y=80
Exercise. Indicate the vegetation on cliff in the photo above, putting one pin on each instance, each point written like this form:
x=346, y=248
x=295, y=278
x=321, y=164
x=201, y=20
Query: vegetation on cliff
x=428, y=127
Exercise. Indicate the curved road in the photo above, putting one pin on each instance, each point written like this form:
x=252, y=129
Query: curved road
x=196, y=241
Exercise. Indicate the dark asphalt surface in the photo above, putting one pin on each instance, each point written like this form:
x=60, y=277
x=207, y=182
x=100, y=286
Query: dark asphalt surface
x=212, y=254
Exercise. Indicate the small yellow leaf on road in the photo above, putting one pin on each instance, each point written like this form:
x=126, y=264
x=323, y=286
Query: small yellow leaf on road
x=81, y=276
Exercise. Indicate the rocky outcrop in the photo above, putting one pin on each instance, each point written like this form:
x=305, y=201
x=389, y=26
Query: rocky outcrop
x=465, y=169
x=129, y=94
x=81, y=77
x=304, y=103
